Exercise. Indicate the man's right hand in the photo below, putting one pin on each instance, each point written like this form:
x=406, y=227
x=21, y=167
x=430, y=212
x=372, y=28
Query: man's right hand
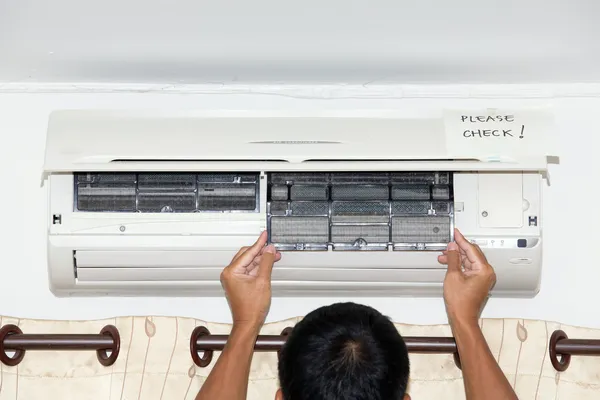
x=247, y=283
x=468, y=281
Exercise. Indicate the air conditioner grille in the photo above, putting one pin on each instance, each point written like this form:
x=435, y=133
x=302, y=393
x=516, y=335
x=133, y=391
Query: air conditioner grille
x=166, y=192
x=360, y=211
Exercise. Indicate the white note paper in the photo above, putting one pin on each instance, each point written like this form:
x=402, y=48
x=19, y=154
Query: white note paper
x=499, y=134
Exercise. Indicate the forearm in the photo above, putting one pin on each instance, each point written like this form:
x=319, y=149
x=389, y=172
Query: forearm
x=229, y=377
x=482, y=376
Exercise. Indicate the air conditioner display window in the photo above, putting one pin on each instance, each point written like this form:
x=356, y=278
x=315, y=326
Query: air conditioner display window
x=166, y=192
x=360, y=211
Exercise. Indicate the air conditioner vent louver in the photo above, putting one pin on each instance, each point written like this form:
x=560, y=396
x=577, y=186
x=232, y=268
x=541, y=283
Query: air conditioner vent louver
x=166, y=192
x=360, y=211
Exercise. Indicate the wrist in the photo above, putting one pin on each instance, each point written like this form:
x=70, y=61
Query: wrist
x=463, y=322
x=247, y=326
x=242, y=336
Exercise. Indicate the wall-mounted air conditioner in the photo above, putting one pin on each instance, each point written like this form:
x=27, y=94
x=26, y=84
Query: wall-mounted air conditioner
x=146, y=203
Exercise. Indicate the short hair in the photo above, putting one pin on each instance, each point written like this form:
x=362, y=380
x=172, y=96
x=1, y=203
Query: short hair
x=344, y=351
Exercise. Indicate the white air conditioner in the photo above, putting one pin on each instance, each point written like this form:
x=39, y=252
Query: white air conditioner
x=150, y=203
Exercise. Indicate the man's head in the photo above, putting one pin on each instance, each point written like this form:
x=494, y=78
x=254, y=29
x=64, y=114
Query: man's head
x=344, y=351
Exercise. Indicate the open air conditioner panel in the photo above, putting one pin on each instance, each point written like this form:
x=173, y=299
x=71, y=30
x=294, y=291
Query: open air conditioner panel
x=156, y=203
x=360, y=211
x=166, y=192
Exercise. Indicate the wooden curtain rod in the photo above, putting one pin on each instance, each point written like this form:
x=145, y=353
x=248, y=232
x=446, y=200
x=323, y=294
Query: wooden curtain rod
x=560, y=347
x=107, y=344
x=12, y=338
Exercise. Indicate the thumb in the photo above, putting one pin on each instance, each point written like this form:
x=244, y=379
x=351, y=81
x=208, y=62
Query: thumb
x=265, y=267
x=454, y=262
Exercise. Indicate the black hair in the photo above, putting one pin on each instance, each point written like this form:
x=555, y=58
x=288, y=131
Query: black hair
x=344, y=351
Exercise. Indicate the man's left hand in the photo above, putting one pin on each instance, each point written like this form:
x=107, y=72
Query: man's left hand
x=247, y=283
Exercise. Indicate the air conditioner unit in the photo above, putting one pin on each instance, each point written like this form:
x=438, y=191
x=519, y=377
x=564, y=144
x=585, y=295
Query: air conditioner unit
x=151, y=203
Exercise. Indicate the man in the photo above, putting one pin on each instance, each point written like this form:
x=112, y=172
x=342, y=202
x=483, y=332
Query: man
x=348, y=351
x=344, y=351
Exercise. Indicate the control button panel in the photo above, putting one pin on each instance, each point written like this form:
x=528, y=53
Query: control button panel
x=504, y=242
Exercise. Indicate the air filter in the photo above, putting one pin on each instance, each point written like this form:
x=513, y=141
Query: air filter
x=360, y=211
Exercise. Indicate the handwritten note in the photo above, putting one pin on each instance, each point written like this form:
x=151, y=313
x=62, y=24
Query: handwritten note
x=498, y=133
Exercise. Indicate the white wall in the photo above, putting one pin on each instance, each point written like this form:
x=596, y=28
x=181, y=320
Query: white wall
x=357, y=41
x=571, y=280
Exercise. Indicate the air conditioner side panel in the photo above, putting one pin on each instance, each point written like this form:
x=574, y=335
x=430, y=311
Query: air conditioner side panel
x=471, y=200
x=61, y=269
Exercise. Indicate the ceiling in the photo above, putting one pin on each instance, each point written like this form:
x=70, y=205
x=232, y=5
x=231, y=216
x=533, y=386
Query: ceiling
x=309, y=41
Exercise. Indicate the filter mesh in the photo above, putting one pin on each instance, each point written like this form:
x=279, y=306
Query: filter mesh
x=298, y=178
x=176, y=182
x=278, y=207
x=430, y=229
x=101, y=202
x=360, y=219
x=410, y=192
x=360, y=208
x=165, y=192
x=362, y=178
x=166, y=202
x=279, y=192
x=227, y=177
x=441, y=192
x=118, y=179
x=411, y=207
x=441, y=207
x=363, y=212
x=309, y=192
x=415, y=177
x=226, y=203
x=348, y=234
x=294, y=230
x=360, y=192
x=310, y=208
x=227, y=189
x=358, y=211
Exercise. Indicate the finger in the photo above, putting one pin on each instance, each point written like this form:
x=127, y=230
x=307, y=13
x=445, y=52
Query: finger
x=481, y=260
x=265, y=268
x=277, y=253
x=246, y=258
x=253, y=266
x=443, y=258
x=453, y=262
x=239, y=253
x=472, y=253
x=252, y=269
x=453, y=258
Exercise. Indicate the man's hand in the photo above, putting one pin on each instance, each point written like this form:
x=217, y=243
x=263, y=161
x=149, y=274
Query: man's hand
x=468, y=281
x=247, y=283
